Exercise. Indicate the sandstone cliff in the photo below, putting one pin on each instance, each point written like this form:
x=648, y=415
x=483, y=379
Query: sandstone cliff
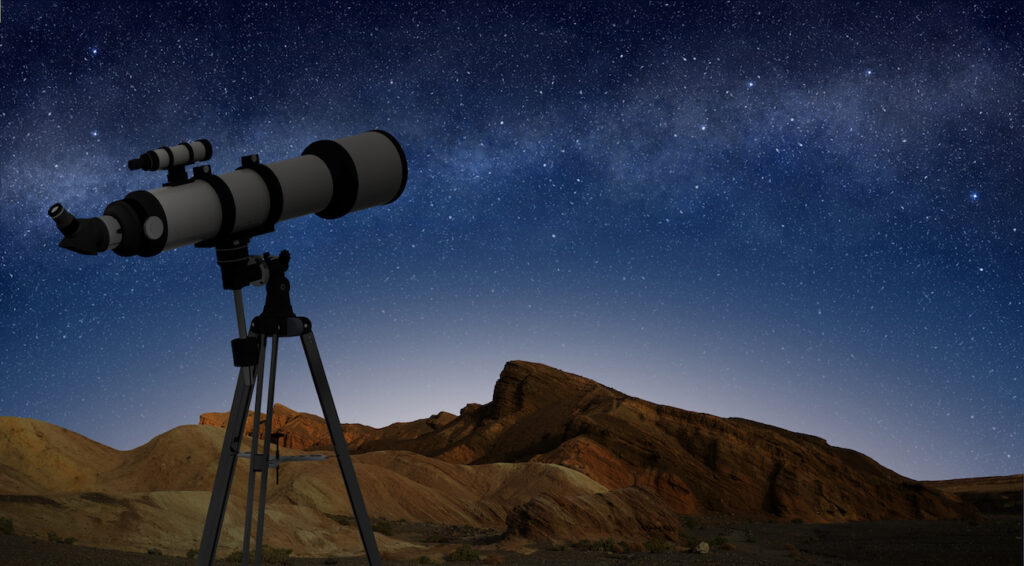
x=692, y=462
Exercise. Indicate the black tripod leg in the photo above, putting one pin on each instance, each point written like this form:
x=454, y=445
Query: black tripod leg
x=348, y=472
x=265, y=457
x=226, y=466
x=254, y=461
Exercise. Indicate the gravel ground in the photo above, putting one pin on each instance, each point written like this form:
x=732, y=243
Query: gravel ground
x=996, y=541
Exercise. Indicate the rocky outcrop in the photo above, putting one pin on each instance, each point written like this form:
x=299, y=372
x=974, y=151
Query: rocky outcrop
x=304, y=431
x=693, y=462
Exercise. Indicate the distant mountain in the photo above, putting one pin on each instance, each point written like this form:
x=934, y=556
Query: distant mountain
x=1000, y=495
x=691, y=462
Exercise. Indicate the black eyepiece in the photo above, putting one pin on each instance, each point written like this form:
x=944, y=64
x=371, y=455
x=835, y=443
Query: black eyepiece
x=66, y=222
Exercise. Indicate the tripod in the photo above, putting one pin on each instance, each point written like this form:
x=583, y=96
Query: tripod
x=277, y=320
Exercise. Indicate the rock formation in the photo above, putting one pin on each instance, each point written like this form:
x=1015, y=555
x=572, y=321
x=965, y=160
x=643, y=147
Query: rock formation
x=692, y=462
x=553, y=457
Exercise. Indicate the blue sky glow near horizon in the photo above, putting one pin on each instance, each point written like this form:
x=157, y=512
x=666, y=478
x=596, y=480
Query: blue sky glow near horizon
x=810, y=217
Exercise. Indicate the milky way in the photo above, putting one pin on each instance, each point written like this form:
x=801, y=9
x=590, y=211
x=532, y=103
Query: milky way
x=809, y=216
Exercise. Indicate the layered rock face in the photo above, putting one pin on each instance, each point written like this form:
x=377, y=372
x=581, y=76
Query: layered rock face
x=303, y=431
x=690, y=462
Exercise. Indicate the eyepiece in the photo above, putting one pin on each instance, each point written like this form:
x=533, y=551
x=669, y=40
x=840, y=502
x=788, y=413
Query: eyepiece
x=66, y=222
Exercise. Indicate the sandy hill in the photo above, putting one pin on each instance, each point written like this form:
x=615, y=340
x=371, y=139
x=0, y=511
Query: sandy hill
x=156, y=495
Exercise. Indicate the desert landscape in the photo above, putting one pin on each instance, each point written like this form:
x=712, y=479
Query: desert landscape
x=555, y=469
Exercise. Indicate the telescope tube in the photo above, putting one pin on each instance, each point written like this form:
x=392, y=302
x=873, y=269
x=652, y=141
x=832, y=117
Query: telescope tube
x=331, y=178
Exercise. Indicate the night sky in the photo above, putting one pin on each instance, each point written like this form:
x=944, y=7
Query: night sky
x=808, y=215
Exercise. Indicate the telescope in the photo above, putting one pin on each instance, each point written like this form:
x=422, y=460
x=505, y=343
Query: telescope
x=331, y=178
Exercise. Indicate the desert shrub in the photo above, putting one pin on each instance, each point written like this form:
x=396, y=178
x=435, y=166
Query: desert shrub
x=155, y=552
x=268, y=555
x=727, y=546
x=656, y=544
x=464, y=553
x=424, y=560
x=340, y=519
x=719, y=541
x=6, y=526
x=384, y=527
x=560, y=548
x=191, y=553
x=602, y=545
x=52, y=537
x=438, y=538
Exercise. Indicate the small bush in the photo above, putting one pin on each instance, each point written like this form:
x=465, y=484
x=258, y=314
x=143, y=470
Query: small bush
x=268, y=555
x=602, y=545
x=155, y=552
x=424, y=560
x=191, y=553
x=464, y=553
x=656, y=544
x=384, y=527
x=52, y=537
x=438, y=538
x=340, y=519
x=727, y=546
x=719, y=541
x=6, y=526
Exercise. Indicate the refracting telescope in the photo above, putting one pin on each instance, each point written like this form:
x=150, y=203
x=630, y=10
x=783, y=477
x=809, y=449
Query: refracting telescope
x=331, y=178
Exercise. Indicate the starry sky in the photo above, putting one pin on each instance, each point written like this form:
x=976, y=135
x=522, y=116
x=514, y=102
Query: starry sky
x=808, y=215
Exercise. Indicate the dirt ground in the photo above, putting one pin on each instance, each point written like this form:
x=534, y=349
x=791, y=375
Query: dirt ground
x=995, y=541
